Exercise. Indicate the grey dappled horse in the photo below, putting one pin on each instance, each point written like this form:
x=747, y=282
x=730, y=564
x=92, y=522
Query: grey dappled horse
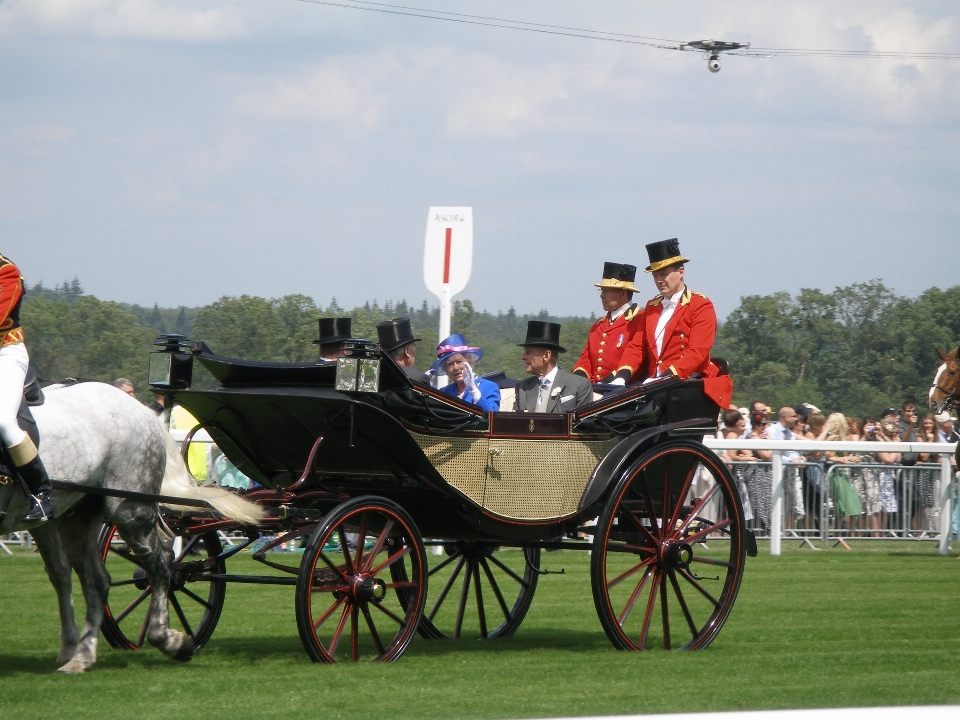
x=95, y=434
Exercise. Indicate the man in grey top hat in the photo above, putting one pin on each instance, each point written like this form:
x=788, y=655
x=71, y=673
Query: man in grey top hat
x=396, y=340
x=550, y=389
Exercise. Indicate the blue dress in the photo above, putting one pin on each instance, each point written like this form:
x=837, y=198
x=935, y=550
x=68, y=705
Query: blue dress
x=489, y=394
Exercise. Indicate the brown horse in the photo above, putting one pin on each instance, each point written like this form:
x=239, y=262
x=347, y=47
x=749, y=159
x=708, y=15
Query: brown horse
x=945, y=389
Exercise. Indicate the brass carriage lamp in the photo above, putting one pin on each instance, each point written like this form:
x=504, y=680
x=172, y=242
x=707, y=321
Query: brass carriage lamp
x=358, y=369
x=170, y=367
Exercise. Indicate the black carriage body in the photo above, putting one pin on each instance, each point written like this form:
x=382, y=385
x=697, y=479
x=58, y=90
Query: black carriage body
x=460, y=473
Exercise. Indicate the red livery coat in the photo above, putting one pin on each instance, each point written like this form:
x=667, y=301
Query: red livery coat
x=11, y=294
x=687, y=339
x=607, y=342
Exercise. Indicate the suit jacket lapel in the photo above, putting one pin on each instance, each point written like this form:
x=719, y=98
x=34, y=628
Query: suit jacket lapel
x=528, y=396
x=556, y=389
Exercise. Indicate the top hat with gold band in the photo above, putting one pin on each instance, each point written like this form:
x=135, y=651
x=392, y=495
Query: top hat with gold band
x=663, y=254
x=395, y=333
x=618, y=276
x=333, y=330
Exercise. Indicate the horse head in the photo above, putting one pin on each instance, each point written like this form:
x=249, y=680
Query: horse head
x=945, y=389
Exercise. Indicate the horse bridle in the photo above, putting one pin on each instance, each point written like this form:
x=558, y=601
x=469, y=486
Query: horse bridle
x=952, y=396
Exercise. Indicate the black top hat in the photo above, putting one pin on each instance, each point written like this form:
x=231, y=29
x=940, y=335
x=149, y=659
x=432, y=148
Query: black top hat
x=543, y=334
x=333, y=330
x=619, y=276
x=396, y=333
x=664, y=253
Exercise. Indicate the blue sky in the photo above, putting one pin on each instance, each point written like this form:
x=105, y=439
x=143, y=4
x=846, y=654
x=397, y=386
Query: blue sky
x=174, y=152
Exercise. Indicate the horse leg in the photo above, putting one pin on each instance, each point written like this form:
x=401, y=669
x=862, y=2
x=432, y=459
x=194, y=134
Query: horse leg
x=57, y=567
x=79, y=535
x=155, y=554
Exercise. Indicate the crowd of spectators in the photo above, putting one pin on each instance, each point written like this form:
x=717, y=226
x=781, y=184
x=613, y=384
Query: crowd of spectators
x=867, y=491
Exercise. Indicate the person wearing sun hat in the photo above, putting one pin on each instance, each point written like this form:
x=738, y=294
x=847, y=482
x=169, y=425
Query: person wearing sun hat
x=679, y=327
x=609, y=336
x=456, y=359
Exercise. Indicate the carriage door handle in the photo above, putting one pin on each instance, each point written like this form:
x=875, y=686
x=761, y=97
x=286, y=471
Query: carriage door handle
x=495, y=452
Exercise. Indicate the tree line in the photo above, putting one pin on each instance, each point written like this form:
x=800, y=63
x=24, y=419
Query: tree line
x=856, y=349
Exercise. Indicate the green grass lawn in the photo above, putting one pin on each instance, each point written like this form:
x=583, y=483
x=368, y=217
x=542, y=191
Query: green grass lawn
x=876, y=626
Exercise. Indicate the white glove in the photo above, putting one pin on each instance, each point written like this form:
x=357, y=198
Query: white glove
x=649, y=380
x=618, y=381
x=470, y=382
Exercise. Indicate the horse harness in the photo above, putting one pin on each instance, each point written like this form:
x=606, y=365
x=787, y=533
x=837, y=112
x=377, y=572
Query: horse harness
x=952, y=395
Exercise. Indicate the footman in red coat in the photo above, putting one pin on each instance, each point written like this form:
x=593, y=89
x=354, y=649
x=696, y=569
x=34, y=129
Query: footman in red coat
x=679, y=327
x=602, y=358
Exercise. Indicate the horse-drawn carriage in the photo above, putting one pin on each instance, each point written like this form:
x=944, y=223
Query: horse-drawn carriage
x=366, y=470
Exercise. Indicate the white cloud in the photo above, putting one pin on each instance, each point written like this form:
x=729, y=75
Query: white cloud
x=146, y=19
x=496, y=99
x=342, y=90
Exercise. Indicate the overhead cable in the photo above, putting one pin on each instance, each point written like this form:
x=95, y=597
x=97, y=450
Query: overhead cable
x=623, y=38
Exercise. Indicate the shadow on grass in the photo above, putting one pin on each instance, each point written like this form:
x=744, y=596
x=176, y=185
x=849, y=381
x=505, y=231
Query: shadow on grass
x=11, y=665
x=564, y=640
x=254, y=649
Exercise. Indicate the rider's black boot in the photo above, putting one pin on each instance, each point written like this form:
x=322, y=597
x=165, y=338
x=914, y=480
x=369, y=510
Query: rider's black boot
x=34, y=474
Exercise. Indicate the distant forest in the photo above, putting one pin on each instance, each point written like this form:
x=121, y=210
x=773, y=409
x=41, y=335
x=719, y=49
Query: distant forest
x=857, y=349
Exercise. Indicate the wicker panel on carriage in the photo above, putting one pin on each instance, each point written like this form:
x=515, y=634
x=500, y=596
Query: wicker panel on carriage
x=519, y=479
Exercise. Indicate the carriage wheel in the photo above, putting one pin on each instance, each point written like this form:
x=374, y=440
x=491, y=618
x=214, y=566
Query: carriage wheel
x=650, y=551
x=501, y=580
x=195, y=605
x=345, y=609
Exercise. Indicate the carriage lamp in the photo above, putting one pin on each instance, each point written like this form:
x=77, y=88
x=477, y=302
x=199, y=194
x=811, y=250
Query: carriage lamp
x=170, y=368
x=359, y=369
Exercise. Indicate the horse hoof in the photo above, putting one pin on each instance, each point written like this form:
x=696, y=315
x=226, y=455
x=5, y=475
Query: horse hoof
x=66, y=655
x=185, y=653
x=72, y=668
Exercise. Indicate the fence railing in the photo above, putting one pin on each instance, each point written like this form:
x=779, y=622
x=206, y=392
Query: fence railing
x=816, y=501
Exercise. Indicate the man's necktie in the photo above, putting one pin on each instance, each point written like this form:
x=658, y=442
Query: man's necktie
x=544, y=396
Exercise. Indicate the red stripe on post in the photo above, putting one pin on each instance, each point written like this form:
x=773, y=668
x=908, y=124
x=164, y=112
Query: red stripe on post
x=446, y=258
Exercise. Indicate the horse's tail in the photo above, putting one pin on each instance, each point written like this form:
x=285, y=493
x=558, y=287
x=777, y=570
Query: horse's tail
x=178, y=482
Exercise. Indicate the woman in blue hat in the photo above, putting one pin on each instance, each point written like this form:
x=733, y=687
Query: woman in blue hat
x=456, y=359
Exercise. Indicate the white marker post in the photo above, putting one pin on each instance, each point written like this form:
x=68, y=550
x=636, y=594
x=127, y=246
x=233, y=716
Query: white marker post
x=448, y=257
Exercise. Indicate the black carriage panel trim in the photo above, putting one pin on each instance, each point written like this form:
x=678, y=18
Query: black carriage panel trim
x=530, y=425
x=609, y=469
x=430, y=411
x=616, y=401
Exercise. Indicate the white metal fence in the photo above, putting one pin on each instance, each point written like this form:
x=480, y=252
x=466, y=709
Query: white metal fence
x=806, y=503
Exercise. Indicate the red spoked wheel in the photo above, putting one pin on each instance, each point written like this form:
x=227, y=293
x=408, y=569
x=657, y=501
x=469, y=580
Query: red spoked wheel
x=654, y=553
x=347, y=601
x=195, y=603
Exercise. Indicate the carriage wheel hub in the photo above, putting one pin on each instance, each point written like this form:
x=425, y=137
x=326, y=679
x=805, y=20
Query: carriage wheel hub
x=367, y=588
x=676, y=555
x=140, y=579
